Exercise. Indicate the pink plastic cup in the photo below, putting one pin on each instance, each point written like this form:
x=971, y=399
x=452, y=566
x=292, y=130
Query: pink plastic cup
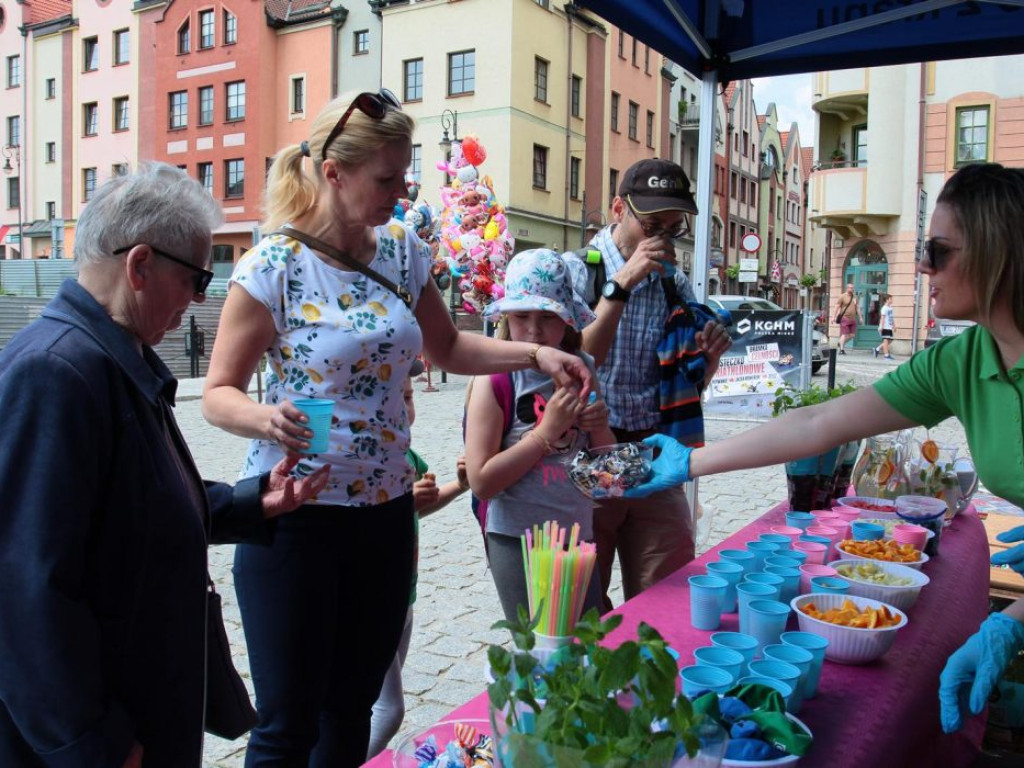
x=907, y=533
x=829, y=532
x=815, y=552
x=847, y=514
x=808, y=571
x=787, y=530
x=823, y=516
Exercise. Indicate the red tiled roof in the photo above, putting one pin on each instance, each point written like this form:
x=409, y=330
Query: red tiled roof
x=806, y=160
x=294, y=10
x=38, y=11
x=760, y=120
x=784, y=139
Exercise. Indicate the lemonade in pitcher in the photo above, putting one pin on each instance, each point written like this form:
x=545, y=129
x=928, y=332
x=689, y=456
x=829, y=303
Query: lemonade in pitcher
x=880, y=469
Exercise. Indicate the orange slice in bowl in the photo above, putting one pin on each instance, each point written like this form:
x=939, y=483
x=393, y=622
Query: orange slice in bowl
x=930, y=451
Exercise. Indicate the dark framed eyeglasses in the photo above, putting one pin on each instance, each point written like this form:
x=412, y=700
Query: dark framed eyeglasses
x=652, y=229
x=201, y=279
x=936, y=255
x=374, y=105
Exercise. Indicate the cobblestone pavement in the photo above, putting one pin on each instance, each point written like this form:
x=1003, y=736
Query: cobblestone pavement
x=457, y=602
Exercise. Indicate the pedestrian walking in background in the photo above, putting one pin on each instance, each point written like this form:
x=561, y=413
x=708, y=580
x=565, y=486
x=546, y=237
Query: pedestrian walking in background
x=886, y=327
x=342, y=303
x=847, y=316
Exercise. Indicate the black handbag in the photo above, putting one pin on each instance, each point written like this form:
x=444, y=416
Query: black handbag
x=229, y=713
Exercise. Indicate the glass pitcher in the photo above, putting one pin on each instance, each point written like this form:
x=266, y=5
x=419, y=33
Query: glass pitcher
x=879, y=471
x=931, y=471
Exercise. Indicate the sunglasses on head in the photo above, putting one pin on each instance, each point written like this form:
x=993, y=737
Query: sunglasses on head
x=937, y=254
x=373, y=105
x=201, y=279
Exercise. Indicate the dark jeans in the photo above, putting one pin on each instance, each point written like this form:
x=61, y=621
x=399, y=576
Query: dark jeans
x=323, y=609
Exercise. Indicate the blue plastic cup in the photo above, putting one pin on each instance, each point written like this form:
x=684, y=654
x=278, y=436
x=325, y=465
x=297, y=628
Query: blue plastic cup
x=785, y=561
x=739, y=556
x=767, y=621
x=733, y=574
x=790, y=581
x=800, y=658
x=820, y=539
x=747, y=591
x=698, y=679
x=865, y=531
x=706, y=595
x=318, y=411
x=784, y=542
x=799, y=520
x=731, y=661
x=795, y=554
x=784, y=689
x=816, y=644
x=829, y=585
x=778, y=670
x=745, y=645
x=769, y=579
x=760, y=550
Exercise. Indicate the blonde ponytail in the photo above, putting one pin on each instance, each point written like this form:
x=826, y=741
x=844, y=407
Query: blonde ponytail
x=290, y=191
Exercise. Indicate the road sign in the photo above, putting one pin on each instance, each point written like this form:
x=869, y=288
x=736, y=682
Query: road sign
x=748, y=265
x=748, y=277
x=750, y=243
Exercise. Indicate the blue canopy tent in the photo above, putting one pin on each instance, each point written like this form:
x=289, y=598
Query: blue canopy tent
x=724, y=40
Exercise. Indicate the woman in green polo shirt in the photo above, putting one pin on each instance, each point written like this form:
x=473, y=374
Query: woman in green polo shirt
x=975, y=263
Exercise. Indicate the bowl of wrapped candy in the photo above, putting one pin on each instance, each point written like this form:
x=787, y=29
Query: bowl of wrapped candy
x=858, y=629
x=608, y=471
x=448, y=744
x=890, y=583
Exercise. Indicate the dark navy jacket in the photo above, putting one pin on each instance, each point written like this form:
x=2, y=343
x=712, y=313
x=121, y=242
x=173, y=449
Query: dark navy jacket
x=102, y=549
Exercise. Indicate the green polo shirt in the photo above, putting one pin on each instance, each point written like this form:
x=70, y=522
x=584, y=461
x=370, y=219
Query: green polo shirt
x=963, y=376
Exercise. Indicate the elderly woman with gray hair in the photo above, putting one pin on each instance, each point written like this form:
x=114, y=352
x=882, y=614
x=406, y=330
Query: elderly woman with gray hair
x=105, y=517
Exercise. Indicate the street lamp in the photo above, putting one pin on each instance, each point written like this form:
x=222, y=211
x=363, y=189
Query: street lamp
x=449, y=120
x=14, y=151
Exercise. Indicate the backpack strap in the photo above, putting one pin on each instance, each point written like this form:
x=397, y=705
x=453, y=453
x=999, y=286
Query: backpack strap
x=597, y=276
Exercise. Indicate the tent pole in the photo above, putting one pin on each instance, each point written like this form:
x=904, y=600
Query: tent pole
x=705, y=184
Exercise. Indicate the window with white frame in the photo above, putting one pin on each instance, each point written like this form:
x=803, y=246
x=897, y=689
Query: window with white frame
x=88, y=184
x=13, y=191
x=360, y=42
x=207, y=29
x=235, y=93
x=90, y=54
x=51, y=88
x=51, y=210
x=206, y=105
x=416, y=162
x=178, y=110
x=298, y=95
x=230, y=28
x=234, y=178
x=461, y=72
x=121, y=113
x=14, y=131
x=13, y=71
x=90, y=119
x=412, y=79
x=540, y=79
x=540, y=167
x=122, y=49
x=204, y=172
x=972, y=125
x=50, y=150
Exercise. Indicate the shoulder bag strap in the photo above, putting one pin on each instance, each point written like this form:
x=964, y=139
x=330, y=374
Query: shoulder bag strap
x=399, y=290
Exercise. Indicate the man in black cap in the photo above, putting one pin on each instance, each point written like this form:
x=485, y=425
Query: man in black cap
x=654, y=535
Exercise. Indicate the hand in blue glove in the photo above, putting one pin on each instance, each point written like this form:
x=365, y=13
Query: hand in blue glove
x=973, y=671
x=670, y=469
x=1013, y=557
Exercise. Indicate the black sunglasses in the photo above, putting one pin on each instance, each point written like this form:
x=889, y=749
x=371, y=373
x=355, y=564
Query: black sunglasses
x=936, y=254
x=201, y=279
x=650, y=229
x=373, y=105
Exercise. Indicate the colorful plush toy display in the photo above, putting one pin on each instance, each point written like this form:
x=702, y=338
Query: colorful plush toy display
x=473, y=235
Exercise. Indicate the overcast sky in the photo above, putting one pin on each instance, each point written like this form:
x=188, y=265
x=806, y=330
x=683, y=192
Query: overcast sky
x=792, y=97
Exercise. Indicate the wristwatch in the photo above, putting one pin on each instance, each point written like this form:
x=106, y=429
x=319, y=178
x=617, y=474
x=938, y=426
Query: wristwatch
x=614, y=292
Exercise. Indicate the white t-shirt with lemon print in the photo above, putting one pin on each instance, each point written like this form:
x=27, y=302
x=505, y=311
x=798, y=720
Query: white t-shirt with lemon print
x=345, y=337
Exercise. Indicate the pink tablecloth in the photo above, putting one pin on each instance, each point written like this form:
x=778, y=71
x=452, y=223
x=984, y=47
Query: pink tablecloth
x=884, y=713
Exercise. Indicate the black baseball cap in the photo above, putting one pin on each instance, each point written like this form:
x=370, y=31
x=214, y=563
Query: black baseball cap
x=653, y=186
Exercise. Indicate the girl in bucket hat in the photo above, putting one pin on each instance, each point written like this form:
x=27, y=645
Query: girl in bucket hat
x=522, y=469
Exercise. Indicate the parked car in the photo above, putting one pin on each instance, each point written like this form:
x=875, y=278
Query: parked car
x=940, y=329
x=819, y=341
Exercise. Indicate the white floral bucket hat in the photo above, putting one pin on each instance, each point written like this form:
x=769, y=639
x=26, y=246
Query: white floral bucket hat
x=538, y=280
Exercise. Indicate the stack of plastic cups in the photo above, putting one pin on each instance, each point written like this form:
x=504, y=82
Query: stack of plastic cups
x=746, y=592
x=793, y=554
x=799, y=658
x=785, y=561
x=927, y=512
x=792, y=533
x=827, y=532
x=733, y=574
x=706, y=596
x=727, y=659
x=745, y=645
x=798, y=519
x=846, y=514
x=815, y=550
x=790, y=587
x=769, y=579
x=809, y=571
x=778, y=670
x=760, y=550
x=816, y=645
x=824, y=516
x=767, y=622
x=829, y=585
x=912, y=534
x=782, y=542
x=740, y=557
x=697, y=679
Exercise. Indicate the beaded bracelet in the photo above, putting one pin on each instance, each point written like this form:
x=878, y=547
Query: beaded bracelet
x=543, y=441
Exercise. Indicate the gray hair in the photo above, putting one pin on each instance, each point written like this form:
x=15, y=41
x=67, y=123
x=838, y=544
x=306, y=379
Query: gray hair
x=158, y=205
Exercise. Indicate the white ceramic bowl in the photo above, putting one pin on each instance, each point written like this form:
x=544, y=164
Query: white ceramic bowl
x=898, y=597
x=788, y=760
x=851, y=501
x=844, y=555
x=848, y=645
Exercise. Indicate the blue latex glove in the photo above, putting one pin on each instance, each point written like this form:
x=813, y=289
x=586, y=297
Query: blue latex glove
x=1013, y=557
x=973, y=671
x=670, y=469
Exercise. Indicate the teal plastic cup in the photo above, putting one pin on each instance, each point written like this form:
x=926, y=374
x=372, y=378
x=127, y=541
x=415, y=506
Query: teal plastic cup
x=767, y=621
x=816, y=644
x=745, y=645
x=784, y=561
x=785, y=689
x=761, y=550
x=800, y=658
x=794, y=554
x=733, y=574
x=799, y=519
x=783, y=541
x=778, y=670
x=697, y=679
x=746, y=591
x=318, y=411
x=829, y=585
x=769, y=579
x=790, y=581
x=864, y=531
x=706, y=595
x=731, y=661
x=740, y=556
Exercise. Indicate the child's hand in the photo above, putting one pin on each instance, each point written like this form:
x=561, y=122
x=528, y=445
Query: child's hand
x=593, y=416
x=425, y=492
x=561, y=412
x=461, y=476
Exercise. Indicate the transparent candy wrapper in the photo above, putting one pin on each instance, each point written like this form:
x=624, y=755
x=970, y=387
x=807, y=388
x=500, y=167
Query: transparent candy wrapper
x=609, y=471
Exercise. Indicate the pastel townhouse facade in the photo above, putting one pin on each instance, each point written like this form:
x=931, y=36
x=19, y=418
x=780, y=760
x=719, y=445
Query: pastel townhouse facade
x=792, y=247
x=740, y=186
x=817, y=241
x=888, y=138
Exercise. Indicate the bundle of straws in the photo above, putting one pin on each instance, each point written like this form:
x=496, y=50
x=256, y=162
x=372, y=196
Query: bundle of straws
x=557, y=576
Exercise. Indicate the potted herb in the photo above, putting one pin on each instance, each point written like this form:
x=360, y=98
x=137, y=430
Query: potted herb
x=815, y=481
x=590, y=705
x=838, y=156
